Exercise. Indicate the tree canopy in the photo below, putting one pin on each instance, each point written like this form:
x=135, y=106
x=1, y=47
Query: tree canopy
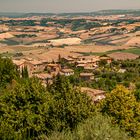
x=8, y=71
x=28, y=109
x=122, y=106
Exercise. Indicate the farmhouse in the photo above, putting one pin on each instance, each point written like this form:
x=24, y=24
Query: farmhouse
x=38, y=65
x=90, y=67
x=94, y=94
x=67, y=72
x=87, y=66
x=87, y=60
x=22, y=64
x=45, y=78
x=92, y=58
x=32, y=65
x=80, y=66
x=87, y=76
x=106, y=58
x=53, y=68
x=69, y=60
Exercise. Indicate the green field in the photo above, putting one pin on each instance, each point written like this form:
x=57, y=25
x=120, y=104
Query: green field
x=133, y=50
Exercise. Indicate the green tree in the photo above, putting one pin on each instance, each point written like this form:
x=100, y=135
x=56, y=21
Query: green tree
x=137, y=94
x=25, y=73
x=122, y=106
x=8, y=71
x=71, y=106
x=43, y=22
x=24, y=110
x=102, y=62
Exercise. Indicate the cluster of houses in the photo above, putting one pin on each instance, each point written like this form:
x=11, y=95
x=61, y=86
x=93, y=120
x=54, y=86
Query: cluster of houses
x=87, y=63
x=46, y=71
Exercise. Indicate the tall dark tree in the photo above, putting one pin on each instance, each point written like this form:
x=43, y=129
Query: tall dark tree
x=25, y=73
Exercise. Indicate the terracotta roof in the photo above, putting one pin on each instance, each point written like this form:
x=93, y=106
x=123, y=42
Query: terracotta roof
x=92, y=91
x=67, y=70
x=89, y=68
x=35, y=62
x=87, y=61
x=91, y=57
x=18, y=62
x=95, y=94
x=68, y=59
x=43, y=76
x=73, y=57
x=86, y=74
x=83, y=62
x=105, y=58
x=53, y=65
x=81, y=65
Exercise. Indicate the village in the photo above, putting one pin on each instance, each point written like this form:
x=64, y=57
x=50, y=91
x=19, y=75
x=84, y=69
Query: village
x=46, y=71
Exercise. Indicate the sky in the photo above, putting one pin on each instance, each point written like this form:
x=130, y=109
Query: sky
x=60, y=6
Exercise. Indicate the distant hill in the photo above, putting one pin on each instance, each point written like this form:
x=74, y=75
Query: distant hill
x=102, y=12
x=13, y=15
x=119, y=11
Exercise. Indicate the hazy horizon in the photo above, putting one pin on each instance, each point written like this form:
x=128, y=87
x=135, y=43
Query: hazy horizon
x=65, y=6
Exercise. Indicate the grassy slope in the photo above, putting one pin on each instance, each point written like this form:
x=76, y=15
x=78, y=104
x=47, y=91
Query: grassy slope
x=133, y=50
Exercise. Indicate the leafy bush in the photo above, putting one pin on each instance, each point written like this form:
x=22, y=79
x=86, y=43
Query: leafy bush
x=122, y=107
x=96, y=128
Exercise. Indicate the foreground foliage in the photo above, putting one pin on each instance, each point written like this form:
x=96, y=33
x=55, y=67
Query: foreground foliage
x=96, y=128
x=28, y=109
x=122, y=106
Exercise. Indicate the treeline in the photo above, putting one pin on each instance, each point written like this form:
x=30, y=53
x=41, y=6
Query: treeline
x=76, y=24
x=60, y=111
x=20, y=22
x=26, y=35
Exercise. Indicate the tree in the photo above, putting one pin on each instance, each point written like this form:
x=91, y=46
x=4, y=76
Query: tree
x=43, y=22
x=71, y=106
x=8, y=71
x=137, y=94
x=137, y=91
x=24, y=110
x=25, y=72
x=122, y=106
x=59, y=58
x=102, y=62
